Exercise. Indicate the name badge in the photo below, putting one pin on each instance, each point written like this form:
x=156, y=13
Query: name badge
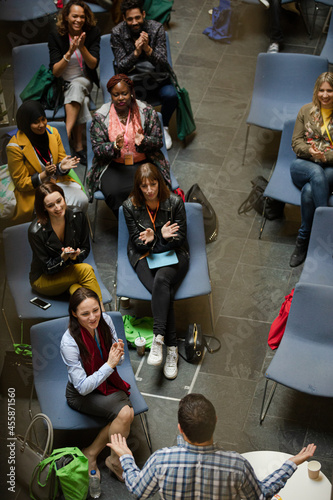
x=129, y=159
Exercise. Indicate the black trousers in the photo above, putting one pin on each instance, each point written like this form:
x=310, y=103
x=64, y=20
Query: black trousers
x=162, y=283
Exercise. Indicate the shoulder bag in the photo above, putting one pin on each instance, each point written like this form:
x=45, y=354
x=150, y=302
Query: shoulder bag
x=28, y=455
x=195, y=343
x=268, y=207
x=185, y=119
x=195, y=195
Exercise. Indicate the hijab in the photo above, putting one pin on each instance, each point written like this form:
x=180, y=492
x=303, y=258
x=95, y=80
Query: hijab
x=28, y=113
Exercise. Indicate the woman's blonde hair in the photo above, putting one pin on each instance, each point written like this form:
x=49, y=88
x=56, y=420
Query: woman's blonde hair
x=324, y=77
x=62, y=24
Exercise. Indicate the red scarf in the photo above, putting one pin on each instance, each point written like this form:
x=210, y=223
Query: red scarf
x=114, y=382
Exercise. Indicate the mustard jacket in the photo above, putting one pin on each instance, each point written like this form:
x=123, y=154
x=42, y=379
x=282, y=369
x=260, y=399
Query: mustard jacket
x=24, y=167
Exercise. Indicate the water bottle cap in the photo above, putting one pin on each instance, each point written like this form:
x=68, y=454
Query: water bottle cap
x=92, y=472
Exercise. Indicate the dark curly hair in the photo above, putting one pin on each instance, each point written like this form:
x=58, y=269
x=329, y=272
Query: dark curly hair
x=62, y=24
x=131, y=4
x=197, y=418
x=120, y=78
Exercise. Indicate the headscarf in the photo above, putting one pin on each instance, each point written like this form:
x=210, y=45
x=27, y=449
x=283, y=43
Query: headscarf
x=27, y=113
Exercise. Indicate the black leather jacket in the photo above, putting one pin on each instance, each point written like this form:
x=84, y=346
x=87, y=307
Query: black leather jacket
x=137, y=220
x=46, y=246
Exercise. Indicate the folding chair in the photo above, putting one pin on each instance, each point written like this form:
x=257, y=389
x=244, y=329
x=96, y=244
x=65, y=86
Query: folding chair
x=50, y=378
x=196, y=281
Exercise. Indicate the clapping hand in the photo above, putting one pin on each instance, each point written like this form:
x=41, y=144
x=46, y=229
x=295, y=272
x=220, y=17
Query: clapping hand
x=147, y=236
x=120, y=140
x=138, y=138
x=81, y=40
x=169, y=230
x=69, y=162
x=50, y=169
x=115, y=353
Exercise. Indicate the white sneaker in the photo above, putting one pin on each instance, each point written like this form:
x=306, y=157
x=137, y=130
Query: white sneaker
x=265, y=3
x=170, y=369
x=273, y=48
x=167, y=138
x=155, y=357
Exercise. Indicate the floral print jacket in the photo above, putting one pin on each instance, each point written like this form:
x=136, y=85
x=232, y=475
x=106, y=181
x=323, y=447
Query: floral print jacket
x=104, y=151
x=307, y=132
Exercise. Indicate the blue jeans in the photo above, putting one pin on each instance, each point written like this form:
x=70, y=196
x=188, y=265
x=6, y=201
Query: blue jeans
x=316, y=182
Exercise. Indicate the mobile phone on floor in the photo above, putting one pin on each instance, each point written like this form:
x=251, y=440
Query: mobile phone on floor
x=40, y=303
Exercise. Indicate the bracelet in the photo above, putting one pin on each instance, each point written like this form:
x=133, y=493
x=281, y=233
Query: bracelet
x=67, y=60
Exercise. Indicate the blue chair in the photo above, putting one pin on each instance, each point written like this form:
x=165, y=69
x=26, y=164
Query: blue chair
x=21, y=10
x=303, y=360
x=327, y=50
x=196, y=281
x=50, y=378
x=318, y=265
x=280, y=186
x=27, y=60
x=274, y=99
x=18, y=256
x=98, y=195
x=106, y=66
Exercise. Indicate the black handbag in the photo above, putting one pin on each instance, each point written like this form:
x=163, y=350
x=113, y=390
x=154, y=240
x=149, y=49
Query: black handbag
x=268, y=207
x=195, y=195
x=195, y=343
x=147, y=78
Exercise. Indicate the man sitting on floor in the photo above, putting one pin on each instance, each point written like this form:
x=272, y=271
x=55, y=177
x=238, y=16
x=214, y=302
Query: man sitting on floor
x=139, y=47
x=196, y=467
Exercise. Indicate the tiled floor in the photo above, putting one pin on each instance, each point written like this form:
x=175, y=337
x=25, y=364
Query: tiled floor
x=249, y=277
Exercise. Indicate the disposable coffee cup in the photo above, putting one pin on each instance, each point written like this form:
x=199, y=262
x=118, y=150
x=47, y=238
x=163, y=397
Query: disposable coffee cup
x=124, y=302
x=140, y=343
x=314, y=469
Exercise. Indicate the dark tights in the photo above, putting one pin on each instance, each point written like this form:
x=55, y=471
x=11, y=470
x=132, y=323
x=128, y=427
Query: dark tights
x=162, y=284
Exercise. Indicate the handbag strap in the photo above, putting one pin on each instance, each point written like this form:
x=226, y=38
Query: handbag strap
x=210, y=349
x=49, y=440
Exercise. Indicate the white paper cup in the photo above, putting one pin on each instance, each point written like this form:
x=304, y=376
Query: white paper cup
x=314, y=469
x=140, y=343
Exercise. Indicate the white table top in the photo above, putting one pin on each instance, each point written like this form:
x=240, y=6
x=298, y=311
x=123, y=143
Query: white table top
x=299, y=486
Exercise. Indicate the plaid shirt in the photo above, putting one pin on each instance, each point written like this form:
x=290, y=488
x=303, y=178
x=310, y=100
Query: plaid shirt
x=201, y=473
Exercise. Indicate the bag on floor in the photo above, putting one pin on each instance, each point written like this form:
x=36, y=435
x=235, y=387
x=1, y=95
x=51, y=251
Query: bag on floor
x=195, y=343
x=270, y=208
x=17, y=372
x=71, y=469
x=221, y=28
x=28, y=456
x=279, y=324
x=138, y=327
x=195, y=195
x=159, y=10
x=185, y=119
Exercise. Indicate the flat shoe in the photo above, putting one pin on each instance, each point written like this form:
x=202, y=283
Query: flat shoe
x=83, y=157
x=113, y=469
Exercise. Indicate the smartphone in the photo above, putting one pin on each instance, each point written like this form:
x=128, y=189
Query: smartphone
x=40, y=303
x=69, y=251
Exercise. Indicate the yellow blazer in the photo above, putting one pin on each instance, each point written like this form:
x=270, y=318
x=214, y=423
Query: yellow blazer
x=23, y=163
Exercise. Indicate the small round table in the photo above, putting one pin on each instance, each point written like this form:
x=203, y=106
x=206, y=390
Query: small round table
x=299, y=486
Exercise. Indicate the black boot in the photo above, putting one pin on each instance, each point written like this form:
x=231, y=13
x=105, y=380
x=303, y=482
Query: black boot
x=299, y=253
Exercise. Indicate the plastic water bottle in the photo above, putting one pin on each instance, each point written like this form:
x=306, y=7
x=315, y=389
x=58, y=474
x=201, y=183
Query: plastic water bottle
x=94, y=485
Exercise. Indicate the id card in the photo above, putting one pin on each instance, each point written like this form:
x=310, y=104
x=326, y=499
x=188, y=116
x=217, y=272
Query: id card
x=129, y=159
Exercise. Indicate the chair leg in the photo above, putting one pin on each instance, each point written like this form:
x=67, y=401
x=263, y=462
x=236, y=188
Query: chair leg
x=211, y=311
x=304, y=17
x=263, y=219
x=314, y=19
x=246, y=140
x=144, y=422
x=270, y=397
x=5, y=316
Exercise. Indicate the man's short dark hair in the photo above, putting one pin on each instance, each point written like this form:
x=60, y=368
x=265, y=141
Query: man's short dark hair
x=131, y=4
x=197, y=418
